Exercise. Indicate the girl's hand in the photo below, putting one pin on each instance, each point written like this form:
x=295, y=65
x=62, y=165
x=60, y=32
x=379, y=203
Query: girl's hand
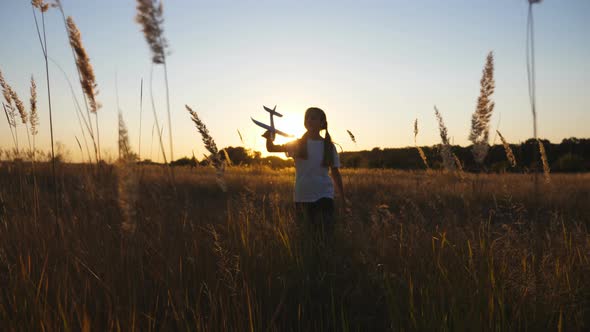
x=268, y=135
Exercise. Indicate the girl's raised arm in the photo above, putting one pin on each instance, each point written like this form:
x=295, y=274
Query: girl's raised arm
x=271, y=146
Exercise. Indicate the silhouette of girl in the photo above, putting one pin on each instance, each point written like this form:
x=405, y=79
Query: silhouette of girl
x=316, y=172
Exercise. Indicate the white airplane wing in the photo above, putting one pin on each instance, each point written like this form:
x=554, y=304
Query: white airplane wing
x=267, y=127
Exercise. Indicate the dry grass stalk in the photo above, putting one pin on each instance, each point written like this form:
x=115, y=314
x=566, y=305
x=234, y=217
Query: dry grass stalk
x=128, y=182
x=423, y=157
x=87, y=120
x=351, y=136
x=241, y=139
x=11, y=123
x=140, y=111
x=480, y=119
x=211, y=147
x=34, y=118
x=86, y=75
x=43, y=42
x=10, y=110
x=420, y=151
x=124, y=146
x=459, y=166
x=509, y=153
x=227, y=158
x=7, y=93
x=546, y=169
x=87, y=79
x=150, y=17
x=79, y=114
x=445, y=149
x=20, y=106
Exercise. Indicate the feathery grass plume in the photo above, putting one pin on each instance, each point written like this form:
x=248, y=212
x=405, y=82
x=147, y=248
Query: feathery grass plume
x=7, y=93
x=459, y=166
x=150, y=17
x=41, y=5
x=34, y=118
x=480, y=120
x=227, y=158
x=20, y=106
x=445, y=148
x=124, y=149
x=79, y=114
x=87, y=119
x=509, y=154
x=87, y=78
x=546, y=169
x=211, y=147
x=423, y=157
x=420, y=151
x=11, y=123
x=127, y=180
x=9, y=110
x=352, y=138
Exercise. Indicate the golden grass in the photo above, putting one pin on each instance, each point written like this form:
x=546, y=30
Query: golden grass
x=34, y=119
x=546, y=169
x=416, y=252
x=446, y=154
x=509, y=154
x=480, y=120
x=210, y=145
x=420, y=151
x=87, y=78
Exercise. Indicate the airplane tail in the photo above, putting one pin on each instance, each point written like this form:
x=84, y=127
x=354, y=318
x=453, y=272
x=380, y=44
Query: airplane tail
x=272, y=111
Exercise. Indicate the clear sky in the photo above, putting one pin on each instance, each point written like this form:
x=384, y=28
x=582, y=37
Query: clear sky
x=373, y=66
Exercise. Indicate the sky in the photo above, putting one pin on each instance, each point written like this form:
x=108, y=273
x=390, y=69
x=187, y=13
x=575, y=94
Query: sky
x=372, y=66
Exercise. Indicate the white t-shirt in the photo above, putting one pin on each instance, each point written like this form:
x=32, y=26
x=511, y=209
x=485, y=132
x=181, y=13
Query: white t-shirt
x=312, y=181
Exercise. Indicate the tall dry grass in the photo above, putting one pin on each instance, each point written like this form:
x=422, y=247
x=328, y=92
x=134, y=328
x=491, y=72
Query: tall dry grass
x=150, y=15
x=509, y=154
x=420, y=151
x=445, y=148
x=438, y=256
x=480, y=120
x=87, y=79
x=210, y=145
x=546, y=169
x=127, y=180
x=43, y=7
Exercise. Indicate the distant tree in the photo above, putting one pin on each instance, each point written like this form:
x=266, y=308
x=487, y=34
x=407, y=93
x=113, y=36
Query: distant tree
x=569, y=163
x=185, y=161
x=239, y=155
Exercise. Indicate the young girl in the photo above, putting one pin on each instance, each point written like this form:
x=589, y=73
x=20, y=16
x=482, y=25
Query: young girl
x=314, y=155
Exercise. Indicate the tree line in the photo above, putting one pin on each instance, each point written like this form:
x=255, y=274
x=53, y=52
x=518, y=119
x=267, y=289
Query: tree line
x=571, y=155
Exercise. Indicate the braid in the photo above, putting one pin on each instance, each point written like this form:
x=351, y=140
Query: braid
x=328, y=159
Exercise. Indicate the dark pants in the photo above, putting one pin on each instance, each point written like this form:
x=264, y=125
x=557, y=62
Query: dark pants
x=317, y=216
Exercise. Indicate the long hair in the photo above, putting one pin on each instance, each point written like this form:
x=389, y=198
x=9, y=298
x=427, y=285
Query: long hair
x=301, y=152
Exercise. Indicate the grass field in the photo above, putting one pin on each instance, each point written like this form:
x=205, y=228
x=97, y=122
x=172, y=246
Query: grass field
x=416, y=251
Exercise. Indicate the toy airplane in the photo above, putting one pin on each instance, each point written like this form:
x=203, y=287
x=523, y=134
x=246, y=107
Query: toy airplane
x=271, y=128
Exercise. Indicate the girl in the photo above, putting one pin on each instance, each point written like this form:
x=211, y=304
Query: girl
x=314, y=155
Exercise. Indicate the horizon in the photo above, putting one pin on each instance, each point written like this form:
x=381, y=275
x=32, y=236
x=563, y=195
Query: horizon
x=373, y=68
